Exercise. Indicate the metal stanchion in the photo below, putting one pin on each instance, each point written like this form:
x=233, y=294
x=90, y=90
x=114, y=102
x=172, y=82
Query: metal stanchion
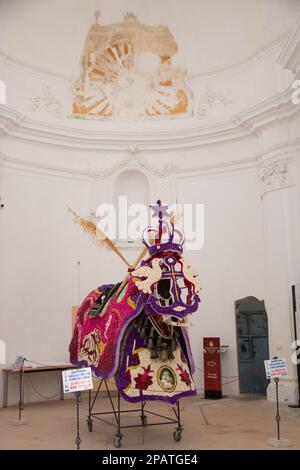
x=278, y=442
x=20, y=421
x=78, y=439
x=277, y=418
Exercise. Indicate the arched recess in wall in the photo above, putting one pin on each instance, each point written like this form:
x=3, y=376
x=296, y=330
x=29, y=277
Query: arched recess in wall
x=131, y=192
x=252, y=344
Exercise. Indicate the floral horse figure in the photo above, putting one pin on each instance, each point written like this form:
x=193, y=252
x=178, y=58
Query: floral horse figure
x=135, y=332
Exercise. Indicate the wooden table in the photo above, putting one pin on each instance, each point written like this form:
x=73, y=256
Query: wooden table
x=30, y=370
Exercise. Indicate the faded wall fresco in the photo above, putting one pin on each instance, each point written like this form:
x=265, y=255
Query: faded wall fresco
x=127, y=72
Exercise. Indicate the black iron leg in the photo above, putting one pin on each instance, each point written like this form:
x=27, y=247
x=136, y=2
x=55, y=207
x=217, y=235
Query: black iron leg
x=178, y=431
x=118, y=435
x=89, y=418
x=78, y=439
x=91, y=405
x=21, y=386
x=143, y=416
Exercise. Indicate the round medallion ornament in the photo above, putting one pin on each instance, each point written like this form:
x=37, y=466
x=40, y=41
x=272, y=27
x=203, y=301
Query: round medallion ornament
x=166, y=378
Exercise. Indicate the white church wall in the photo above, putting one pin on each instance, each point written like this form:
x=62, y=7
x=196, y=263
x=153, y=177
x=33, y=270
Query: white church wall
x=231, y=262
x=240, y=157
x=40, y=267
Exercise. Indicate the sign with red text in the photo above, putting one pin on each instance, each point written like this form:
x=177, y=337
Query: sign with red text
x=212, y=368
x=276, y=368
x=77, y=380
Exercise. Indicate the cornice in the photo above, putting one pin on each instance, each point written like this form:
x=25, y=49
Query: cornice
x=289, y=57
x=272, y=109
x=99, y=136
x=168, y=135
x=9, y=119
x=135, y=159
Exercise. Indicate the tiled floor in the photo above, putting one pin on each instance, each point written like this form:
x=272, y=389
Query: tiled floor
x=230, y=423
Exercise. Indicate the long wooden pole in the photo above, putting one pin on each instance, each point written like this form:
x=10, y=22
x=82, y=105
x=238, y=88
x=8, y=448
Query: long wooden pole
x=173, y=217
x=125, y=280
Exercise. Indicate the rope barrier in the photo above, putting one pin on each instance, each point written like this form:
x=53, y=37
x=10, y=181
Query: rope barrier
x=51, y=397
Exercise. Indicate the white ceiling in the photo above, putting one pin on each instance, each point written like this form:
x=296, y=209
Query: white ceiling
x=211, y=34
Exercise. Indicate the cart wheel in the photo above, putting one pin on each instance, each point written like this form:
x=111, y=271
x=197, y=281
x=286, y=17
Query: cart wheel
x=177, y=435
x=90, y=425
x=117, y=442
x=144, y=420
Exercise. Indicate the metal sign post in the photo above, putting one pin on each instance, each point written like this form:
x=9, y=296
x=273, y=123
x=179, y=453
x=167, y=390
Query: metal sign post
x=78, y=439
x=21, y=385
x=19, y=365
x=75, y=381
x=277, y=417
x=276, y=368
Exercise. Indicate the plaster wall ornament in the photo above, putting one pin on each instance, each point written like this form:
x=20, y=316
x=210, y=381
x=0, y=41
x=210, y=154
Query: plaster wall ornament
x=47, y=102
x=210, y=100
x=134, y=159
x=10, y=124
x=127, y=72
x=274, y=174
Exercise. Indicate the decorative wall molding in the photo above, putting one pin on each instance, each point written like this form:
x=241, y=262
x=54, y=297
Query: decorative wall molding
x=274, y=174
x=289, y=57
x=134, y=159
x=182, y=134
x=9, y=120
x=162, y=170
x=47, y=101
x=210, y=99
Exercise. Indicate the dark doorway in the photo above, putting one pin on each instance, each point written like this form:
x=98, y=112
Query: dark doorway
x=252, y=344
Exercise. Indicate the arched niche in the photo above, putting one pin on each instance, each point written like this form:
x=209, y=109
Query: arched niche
x=131, y=187
x=134, y=184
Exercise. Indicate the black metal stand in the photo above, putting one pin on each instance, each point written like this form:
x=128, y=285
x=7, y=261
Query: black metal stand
x=21, y=388
x=278, y=441
x=78, y=439
x=117, y=415
x=277, y=418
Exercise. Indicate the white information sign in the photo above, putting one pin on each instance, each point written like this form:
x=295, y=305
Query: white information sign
x=77, y=380
x=276, y=368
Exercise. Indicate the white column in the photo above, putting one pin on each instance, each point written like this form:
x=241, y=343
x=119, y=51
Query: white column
x=279, y=200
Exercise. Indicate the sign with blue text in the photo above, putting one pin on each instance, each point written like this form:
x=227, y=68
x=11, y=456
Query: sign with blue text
x=276, y=368
x=77, y=380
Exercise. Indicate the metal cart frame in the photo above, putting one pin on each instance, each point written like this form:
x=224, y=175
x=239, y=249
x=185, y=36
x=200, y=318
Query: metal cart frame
x=117, y=412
